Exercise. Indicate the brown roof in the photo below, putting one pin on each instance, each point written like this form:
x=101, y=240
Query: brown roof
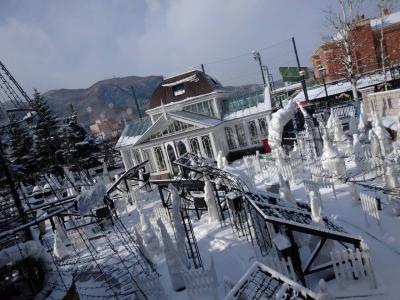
x=204, y=85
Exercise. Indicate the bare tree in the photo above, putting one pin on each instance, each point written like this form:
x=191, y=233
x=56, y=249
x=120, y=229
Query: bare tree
x=348, y=46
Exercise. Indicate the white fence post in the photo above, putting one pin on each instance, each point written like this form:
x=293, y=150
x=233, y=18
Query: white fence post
x=370, y=207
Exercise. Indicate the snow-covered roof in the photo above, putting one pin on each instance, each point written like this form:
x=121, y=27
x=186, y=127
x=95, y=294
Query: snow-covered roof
x=388, y=20
x=194, y=118
x=341, y=87
x=132, y=132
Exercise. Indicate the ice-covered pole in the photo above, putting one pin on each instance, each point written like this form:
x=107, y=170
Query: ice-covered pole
x=209, y=198
x=316, y=210
x=174, y=263
x=177, y=223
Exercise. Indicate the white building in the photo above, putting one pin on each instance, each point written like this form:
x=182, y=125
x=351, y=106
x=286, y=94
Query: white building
x=192, y=112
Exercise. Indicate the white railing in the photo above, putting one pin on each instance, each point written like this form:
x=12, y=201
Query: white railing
x=202, y=283
x=151, y=286
x=349, y=265
x=282, y=265
x=370, y=208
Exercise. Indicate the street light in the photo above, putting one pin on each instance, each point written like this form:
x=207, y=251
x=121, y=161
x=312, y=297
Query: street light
x=322, y=74
x=257, y=57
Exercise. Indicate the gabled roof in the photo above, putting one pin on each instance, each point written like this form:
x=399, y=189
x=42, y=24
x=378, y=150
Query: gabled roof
x=195, y=83
x=140, y=131
x=194, y=119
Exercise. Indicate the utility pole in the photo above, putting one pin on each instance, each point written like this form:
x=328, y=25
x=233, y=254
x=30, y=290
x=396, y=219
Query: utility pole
x=136, y=102
x=303, y=81
x=257, y=57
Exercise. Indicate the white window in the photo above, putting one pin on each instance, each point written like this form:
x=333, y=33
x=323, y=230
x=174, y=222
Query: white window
x=241, y=135
x=263, y=126
x=160, y=159
x=205, y=139
x=230, y=138
x=150, y=165
x=253, y=132
x=178, y=89
x=195, y=147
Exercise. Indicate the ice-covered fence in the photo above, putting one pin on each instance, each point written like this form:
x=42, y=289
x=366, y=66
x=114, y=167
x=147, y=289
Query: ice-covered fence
x=370, y=208
x=75, y=237
x=151, y=286
x=298, y=170
x=316, y=171
x=345, y=111
x=282, y=265
x=160, y=212
x=326, y=184
x=309, y=186
x=349, y=265
x=202, y=283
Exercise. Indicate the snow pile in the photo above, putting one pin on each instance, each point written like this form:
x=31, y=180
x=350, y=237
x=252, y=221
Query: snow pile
x=92, y=198
x=278, y=120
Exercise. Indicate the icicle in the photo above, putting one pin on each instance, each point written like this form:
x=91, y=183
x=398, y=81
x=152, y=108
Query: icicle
x=284, y=191
x=383, y=137
x=362, y=124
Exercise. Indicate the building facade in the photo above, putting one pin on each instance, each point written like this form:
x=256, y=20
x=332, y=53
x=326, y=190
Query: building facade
x=106, y=129
x=367, y=57
x=192, y=112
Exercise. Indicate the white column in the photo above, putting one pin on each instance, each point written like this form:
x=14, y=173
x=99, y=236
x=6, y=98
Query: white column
x=246, y=132
x=213, y=145
x=203, y=153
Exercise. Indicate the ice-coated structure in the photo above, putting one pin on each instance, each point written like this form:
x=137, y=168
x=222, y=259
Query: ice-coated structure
x=174, y=263
x=88, y=200
x=375, y=144
x=284, y=191
x=363, y=121
x=106, y=174
x=224, y=163
x=219, y=160
x=278, y=120
x=60, y=251
x=316, y=209
x=149, y=237
x=177, y=223
x=209, y=197
x=358, y=150
x=383, y=137
x=355, y=198
x=392, y=182
x=339, y=138
x=332, y=162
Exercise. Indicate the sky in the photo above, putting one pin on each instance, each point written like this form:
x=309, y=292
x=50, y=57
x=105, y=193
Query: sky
x=51, y=44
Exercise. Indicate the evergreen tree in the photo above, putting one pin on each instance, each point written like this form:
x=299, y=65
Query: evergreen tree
x=20, y=143
x=45, y=135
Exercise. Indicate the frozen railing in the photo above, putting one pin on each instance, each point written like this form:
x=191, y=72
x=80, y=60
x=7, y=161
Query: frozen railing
x=282, y=265
x=350, y=265
x=202, y=283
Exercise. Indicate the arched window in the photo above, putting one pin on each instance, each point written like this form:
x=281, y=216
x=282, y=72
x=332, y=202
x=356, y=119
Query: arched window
x=136, y=156
x=150, y=165
x=160, y=159
x=205, y=139
x=181, y=148
x=263, y=126
x=241, y=135
x=172, y=158
x=253, y=132
x=195, y=147
x=230, y=138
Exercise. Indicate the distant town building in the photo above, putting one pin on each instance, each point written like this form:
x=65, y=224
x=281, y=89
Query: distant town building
x=367, y=33
x=192, y=112
x=106, y=129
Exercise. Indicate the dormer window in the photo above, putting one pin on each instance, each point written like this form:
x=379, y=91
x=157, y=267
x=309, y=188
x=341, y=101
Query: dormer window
x=178, y=89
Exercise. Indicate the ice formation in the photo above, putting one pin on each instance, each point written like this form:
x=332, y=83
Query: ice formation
x=177, y=223
x=331, y=160
x=106, y=175
x=358, y=151
x=148, y=235
x=92, y=198
x=219, y=160
x=375, y=144
x=383, y=137
x=339, y=138
x=174, y=263
x=278, y=120
x=60, y=251
x=355, y=198
x=363, y=121
x=316, y=210
x=285, y=192
x=224, y=163
x=209, y=198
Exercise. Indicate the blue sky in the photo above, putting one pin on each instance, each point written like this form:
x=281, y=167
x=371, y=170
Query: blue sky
x=50, y=44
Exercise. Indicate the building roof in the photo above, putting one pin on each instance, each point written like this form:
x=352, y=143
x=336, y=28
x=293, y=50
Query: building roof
x=194, y=118
x=133, y=131
x=342, y=87
x=388, y=20
x=195, y=83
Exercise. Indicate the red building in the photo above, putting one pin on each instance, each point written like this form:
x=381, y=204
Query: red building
x=367, y=33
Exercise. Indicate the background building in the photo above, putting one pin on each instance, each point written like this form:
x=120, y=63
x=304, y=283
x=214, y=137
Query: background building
x=106, y=129
x=367, y=33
